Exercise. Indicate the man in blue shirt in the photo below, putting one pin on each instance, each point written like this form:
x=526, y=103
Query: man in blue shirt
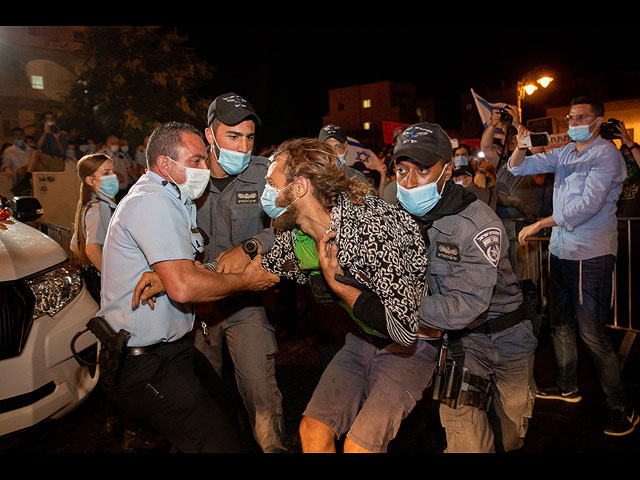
x=589, y=173
x=165, y=382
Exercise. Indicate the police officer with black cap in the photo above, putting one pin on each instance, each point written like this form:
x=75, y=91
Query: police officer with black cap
x=230, y=214
x=336, y=137
x=473, y=295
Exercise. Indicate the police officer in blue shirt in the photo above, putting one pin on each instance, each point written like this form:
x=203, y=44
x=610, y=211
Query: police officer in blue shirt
x=589, y=176
x=164, y=381
x=231, y=216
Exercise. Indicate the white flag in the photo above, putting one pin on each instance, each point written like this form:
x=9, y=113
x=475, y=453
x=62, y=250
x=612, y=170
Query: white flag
x=358, y=153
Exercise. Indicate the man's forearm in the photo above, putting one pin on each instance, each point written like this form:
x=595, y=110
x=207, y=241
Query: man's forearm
x=517, y=157
x=546, y=222
x=185, y=283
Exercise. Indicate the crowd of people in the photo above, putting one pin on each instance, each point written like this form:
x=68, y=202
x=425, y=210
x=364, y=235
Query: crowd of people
x=180, y=244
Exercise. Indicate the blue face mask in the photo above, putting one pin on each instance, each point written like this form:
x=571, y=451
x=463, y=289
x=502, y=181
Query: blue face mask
x=109, y=185
x=420, y=200
x=341, y=161
x=71, y=153
x=581, y=133
x=460, y=161
x=268, y=201
x=19, y=143
x=232, y=162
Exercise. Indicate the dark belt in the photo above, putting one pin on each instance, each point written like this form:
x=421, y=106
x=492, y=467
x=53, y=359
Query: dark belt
x=500, y=323
x=135, y=351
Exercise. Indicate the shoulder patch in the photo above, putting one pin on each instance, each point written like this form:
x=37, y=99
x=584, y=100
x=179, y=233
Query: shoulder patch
x=488, y=241
x=448, y=251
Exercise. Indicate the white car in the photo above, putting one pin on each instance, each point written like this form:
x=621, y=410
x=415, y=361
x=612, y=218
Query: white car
x=43, y=305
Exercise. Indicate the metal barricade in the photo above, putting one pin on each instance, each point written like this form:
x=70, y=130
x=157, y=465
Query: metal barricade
x=62, y=235
x=531, y=262
x=628, y=236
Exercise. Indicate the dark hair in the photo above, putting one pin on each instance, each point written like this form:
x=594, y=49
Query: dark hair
x=465, y=146
x=16, y=129
x=166, y=140
x=597, y=107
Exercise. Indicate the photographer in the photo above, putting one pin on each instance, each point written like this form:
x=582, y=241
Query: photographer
x=589, y=173
x=51, y=140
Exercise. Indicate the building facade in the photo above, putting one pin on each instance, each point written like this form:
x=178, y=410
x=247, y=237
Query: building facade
x=39, y=66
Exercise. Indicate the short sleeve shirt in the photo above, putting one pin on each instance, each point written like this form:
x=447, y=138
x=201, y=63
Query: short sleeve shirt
x=152, y=224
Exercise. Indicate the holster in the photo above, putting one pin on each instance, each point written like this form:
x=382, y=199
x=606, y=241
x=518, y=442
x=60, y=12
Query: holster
x=453, y=384
x=113, y=348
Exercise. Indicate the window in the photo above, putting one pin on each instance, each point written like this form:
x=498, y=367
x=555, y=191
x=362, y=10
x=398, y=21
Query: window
x=37, y=82
x=366, y=103
x=419, y=113
x=366, y=126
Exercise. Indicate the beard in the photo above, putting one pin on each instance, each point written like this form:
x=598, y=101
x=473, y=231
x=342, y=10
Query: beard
x=288, y=219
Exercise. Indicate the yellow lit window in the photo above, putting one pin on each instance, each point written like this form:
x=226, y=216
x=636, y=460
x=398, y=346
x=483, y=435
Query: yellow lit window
x=37, y=82
x=366, y=103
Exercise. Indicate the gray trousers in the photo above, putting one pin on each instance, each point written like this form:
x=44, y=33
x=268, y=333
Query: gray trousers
x=252, y=345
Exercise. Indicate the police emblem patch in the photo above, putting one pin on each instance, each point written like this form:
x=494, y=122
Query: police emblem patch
x=247, y=197
x=488, y=241
x=448, y=251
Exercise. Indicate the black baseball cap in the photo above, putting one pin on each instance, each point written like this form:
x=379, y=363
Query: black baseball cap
x=231, y=109
x=464, y=170
x=424, y=143
x=332, y=131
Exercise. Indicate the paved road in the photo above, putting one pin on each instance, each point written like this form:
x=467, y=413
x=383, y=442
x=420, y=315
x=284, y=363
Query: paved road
x=556, y=427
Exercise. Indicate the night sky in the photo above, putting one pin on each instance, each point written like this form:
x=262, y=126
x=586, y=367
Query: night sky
x=287, y=72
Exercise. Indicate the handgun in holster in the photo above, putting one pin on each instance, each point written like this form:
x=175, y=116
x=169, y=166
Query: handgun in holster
x=113, y=345
x=451, y=383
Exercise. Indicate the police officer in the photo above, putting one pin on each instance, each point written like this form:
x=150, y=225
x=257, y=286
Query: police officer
x=336, y=138
x=473, y=295
x=98, y=188
x=165, y=382
x=231, y=216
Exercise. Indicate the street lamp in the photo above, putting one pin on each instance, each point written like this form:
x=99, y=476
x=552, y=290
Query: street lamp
x=528, y=87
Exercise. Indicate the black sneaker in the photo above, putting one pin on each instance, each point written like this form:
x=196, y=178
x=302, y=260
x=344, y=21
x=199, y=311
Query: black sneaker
x=622, y=422
x=556, y=393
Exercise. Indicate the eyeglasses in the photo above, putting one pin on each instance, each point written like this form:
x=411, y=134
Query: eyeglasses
x=578, y=118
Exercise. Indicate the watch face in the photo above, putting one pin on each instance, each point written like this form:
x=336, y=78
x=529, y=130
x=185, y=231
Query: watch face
x=250, y=247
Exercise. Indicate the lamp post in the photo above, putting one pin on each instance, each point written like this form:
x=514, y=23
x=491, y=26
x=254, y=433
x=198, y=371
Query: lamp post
x=528, y=87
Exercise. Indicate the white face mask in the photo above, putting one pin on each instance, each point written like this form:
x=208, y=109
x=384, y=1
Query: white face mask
x=197, y=180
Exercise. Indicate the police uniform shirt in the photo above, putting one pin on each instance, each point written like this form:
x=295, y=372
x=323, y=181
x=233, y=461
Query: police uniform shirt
x=153, y=223
x=470, y=279
x=96, y=218
x=234, y=214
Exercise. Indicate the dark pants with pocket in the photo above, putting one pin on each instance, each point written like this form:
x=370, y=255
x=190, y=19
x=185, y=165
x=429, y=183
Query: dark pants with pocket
x=173, y=390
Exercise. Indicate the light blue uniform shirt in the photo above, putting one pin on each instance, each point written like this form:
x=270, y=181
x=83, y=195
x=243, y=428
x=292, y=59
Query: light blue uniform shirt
x=151, y=224
x=585, y=192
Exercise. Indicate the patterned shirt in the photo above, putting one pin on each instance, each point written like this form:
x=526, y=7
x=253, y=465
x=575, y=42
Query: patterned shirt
x=380, y=245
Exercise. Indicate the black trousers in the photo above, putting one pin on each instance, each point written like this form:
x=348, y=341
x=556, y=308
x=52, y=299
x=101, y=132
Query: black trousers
x=173, y=390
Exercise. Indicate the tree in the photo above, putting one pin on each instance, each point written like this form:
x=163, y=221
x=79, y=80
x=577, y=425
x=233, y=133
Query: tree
x=134, y=79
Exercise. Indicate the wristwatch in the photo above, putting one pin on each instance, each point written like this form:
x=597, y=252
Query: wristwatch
x=250, y=247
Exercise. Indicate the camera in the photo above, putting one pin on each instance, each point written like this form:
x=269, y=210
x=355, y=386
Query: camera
x=505, y=116
x=609, y=129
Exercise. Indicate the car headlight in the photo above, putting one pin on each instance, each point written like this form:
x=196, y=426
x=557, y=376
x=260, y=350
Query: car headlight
x=54, y=289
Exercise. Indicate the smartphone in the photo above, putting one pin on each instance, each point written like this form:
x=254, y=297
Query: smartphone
x=534, y=140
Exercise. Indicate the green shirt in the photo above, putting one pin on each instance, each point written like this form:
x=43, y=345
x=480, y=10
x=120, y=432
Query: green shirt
x=307, y=256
